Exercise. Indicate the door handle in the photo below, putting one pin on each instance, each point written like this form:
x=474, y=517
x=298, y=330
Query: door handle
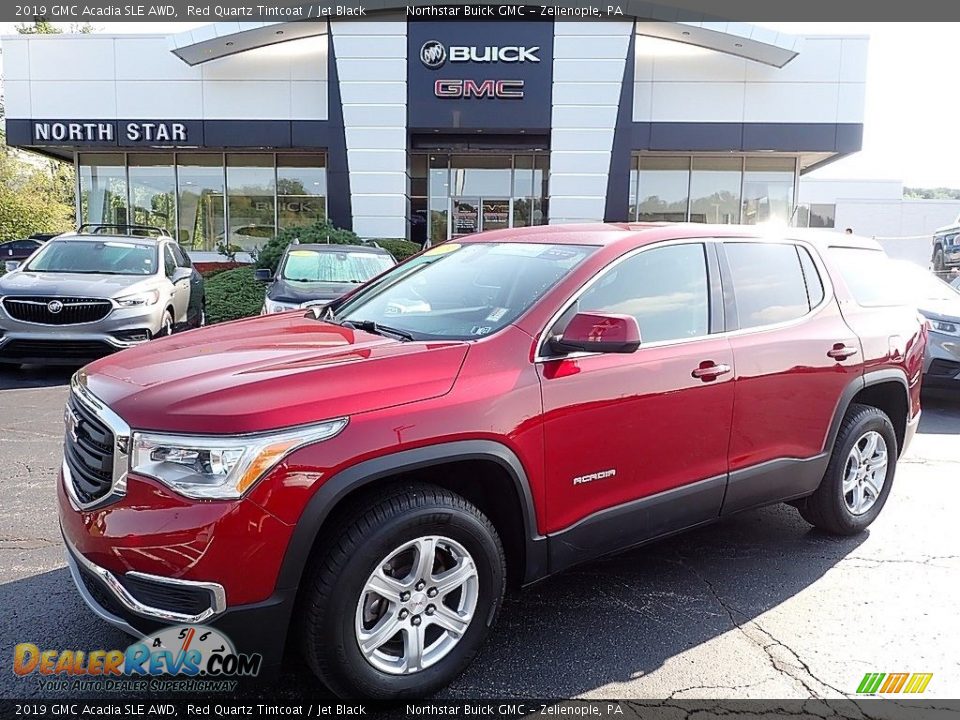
x=839, y=351
x=709, y=370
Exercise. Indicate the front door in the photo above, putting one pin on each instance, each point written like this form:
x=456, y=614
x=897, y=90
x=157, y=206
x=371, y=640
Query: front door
x=636, y=444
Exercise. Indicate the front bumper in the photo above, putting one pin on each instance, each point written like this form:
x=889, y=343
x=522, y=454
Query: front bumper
x=27, y=342
x=941, y=362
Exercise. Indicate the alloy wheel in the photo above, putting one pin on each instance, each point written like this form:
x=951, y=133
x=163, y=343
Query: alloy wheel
x=417, y=605
x=865, y=472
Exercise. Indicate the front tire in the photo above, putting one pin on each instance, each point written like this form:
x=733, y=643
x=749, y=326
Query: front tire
x=859, y=476
x=166, y=325
x=404, y=597
x=939, y=265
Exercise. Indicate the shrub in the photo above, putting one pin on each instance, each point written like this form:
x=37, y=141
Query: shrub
x=400, y=249
x=319, y=232
x=233, y=294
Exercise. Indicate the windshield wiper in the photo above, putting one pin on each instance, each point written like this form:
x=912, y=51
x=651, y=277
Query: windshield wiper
x=372, y=327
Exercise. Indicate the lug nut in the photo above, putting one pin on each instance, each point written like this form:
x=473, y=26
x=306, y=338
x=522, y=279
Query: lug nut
x=421, y=585
x=404, y=596
x=416, y=620
x=432, y=592
x=431, y=610
x=403, y=614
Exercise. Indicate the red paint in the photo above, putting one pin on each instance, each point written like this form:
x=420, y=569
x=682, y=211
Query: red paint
x=664, y=416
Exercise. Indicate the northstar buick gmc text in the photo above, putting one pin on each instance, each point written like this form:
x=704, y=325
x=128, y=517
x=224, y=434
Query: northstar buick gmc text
x=366, y=480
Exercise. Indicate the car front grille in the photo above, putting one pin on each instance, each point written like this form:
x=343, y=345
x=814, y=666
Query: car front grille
x=49, y=310
x=16, y=349
x=88, y=449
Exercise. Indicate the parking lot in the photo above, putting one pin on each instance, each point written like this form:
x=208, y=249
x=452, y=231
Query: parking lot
x=757, y=606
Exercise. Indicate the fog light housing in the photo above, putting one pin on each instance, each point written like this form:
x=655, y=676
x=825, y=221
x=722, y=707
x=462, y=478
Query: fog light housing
x=134, y=335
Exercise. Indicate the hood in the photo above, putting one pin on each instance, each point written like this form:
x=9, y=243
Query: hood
x=21, y=282
x=297, y=292
x=266, y=373
x=948, y=310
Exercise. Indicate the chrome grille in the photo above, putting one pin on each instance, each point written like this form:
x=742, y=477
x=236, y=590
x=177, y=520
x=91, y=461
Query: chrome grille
x=68, y=310
x=88, y=450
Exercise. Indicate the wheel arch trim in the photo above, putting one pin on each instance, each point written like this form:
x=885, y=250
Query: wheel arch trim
x=868, y=379
x=334, y=490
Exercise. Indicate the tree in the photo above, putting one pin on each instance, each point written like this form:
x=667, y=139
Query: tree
x=30, y=200
x=321, y=232
x=42, y=26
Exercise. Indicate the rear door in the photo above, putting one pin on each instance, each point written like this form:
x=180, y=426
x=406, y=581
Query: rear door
x=794, y=356
x=636, y=444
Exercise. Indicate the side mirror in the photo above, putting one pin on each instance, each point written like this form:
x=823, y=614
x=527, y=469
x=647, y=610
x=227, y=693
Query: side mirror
x=600, y=333
x=11, y=265
x=263, y=275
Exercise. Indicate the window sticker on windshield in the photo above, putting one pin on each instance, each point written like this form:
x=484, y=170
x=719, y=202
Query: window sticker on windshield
x=496, y=314
x=442, y=249
x=480, y=329
x=302, y=253
x=560, y=253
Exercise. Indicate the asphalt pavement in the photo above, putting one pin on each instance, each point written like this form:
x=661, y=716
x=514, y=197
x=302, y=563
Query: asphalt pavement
x=755, y=606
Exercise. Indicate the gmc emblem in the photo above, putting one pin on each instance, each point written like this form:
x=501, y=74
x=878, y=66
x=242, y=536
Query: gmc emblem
x=504, y=89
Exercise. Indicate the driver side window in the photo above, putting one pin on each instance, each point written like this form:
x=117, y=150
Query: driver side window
x=664, y=288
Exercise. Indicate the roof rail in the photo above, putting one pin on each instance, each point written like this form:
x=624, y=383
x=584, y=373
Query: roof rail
x=122, y=229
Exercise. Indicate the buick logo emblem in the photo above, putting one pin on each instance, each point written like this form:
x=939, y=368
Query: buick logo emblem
x=433, y=54
x=54, y=306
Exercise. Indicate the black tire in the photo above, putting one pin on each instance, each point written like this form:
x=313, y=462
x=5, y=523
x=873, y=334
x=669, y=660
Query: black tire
x=166, y=325
x=938, y=263
x=827, y=509
x=334, y=583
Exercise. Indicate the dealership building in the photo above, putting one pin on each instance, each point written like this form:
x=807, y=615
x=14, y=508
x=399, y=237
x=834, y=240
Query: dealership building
x=426, y=129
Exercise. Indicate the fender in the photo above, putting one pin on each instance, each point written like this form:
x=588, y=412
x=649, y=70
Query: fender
x=337, y=487
x=874, y=377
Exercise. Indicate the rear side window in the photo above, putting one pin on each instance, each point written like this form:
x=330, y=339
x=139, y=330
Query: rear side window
x=870, y=276
x=769, y=284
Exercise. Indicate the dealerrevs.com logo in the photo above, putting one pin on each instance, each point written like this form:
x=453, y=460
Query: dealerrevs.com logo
x=186, y=658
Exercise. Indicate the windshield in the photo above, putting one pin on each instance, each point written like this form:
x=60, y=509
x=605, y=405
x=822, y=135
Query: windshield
x=110, y=257
x=463, y=291
x=333, y=266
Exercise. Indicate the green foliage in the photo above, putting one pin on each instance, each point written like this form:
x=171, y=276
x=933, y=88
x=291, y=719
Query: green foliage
x=229, y=251
x=939, y=193
x=42, y=26
x=233, y=294
x=319, y=232
x=32, y=198
x=400, y=249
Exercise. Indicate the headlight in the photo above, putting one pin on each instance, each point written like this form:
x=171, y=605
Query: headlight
x=945, y=328
x=272, y=306
x=210, y=467
x=145, y=298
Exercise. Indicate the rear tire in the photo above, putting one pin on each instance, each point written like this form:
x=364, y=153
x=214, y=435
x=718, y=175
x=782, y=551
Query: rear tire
x=859, y=476
x=389, y=544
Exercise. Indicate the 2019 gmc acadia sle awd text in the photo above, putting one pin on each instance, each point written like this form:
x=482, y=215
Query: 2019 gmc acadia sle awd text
x=368, y=479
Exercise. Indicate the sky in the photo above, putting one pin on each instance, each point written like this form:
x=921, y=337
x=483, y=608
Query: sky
x=910, y=123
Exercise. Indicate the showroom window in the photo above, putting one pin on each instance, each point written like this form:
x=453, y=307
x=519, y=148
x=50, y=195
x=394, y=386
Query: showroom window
x=153, y=190
x=198, y=196
x=103, y=188
x=711, y=189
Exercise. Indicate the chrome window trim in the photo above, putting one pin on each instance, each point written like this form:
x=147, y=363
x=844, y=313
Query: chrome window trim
x=218, y=596
x=121, y=448
x=828, y=295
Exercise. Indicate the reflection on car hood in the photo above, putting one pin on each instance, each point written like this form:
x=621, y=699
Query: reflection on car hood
x=268, y=372
x=941, y=309
x=296, y=292
x=73, y=284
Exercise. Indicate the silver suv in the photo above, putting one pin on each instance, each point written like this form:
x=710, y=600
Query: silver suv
x=90, y=293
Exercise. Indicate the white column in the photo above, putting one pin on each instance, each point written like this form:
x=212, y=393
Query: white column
x=588, y=65
x=372, y=68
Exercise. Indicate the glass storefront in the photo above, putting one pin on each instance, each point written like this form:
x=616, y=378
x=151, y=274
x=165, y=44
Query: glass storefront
x=459, y=194
x=204, y=199
x=712, y=189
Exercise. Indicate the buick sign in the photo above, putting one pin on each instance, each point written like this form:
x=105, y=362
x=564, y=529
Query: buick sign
x=433, y=54
x=54, y=306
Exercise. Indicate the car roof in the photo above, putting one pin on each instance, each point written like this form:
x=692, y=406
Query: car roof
x=636, y=234
x=334, y=247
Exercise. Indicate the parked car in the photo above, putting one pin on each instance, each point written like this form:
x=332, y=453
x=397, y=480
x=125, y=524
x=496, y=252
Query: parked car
x=318, y=274
x=90, y=293
x=20, y=250
x=946, y=247
x=489, y=412
x=939, y=303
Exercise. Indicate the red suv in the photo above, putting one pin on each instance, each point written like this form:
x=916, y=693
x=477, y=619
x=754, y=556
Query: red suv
x=366, y=480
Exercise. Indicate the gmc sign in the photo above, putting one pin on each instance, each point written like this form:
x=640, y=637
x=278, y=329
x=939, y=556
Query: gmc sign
x=505, y=89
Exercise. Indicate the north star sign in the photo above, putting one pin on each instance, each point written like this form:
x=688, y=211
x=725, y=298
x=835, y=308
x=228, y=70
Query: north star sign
x=93, y=132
